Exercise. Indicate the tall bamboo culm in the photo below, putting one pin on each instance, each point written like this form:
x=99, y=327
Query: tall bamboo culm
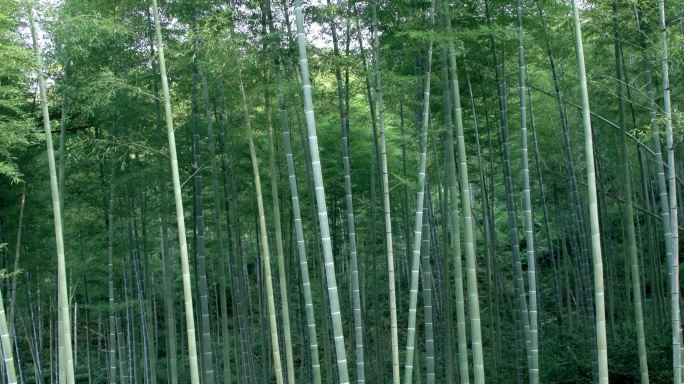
x=296, y=212
x=329, y=264
x=411, y=357
x=64, y=319
x=673, y=267
x=471, y=272
x=533, y=369
x=183, y=245
x=629, y=210
x=394, y=338
x=263, y=234
x=602, y=347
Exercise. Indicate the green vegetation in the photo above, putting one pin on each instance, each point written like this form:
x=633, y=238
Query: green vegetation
x=420, y=157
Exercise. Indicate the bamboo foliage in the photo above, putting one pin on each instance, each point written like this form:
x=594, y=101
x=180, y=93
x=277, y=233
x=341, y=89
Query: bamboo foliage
x=368, y=71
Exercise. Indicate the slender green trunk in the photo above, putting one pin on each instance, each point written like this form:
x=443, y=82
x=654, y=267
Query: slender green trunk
x=628, y=213
x=355, y=294
x=593, y=207
x=673, y=261
x=417, y=242
x=265, y=254
x=284, y=301
x=15, y=270
x=185, y=266
x=449, y=215
x=471, y=272
x=426, y=282
x=657, y=149
x=219, y=235
x=576, y=215
x=554, y=267
x=299, y=231
x=112, y=299
x=57, y=213
x=6, y=346
x=386, y=201
x=321, y=203
x=454, y=225
x=521, y=316
x=527, y=210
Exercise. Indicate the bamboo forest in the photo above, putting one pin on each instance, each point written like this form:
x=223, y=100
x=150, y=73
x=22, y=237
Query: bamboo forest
x=341, y=191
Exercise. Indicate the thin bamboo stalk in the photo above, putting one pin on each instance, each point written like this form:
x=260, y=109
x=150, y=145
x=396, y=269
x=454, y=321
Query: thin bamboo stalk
x=329, y=263
x=57, y=213
x=601, y=341
x=185, y=266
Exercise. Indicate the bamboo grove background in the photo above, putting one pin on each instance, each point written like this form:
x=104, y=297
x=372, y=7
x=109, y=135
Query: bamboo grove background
x=340, y=191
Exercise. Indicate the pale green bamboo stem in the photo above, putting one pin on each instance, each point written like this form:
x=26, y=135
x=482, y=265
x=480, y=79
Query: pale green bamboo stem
x=284, y=300
x=454, y=226
x=527, y=209
x=296, y=212
x=6, y=346
x=471, y=272
x=65, y=322
x=219, y=235
x=321, y=203
x=426, y=282
x=597, y=258
x=629, y=211
x=673, y=267
x=394, y=336
x=351, y=227
x=263, y=234
x=285, y=307
x=185, y=266
x=417, y=231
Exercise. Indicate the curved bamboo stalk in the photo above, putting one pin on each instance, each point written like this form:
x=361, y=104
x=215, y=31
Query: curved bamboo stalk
x=576, y=214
